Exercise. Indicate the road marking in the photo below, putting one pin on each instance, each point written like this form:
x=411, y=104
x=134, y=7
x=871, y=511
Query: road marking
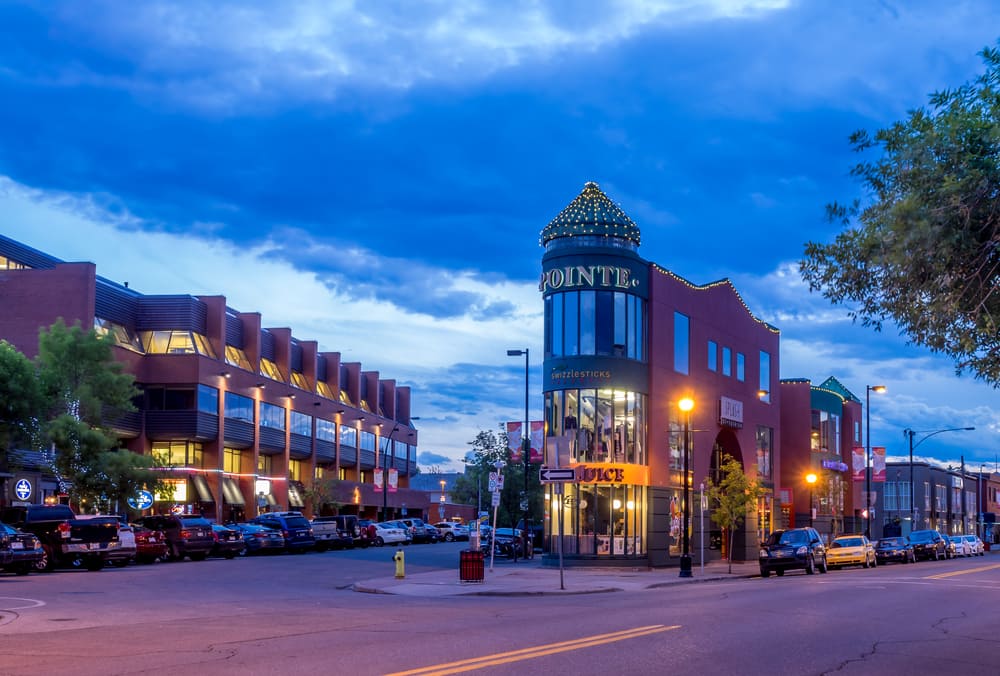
x=962, y=572
x=537, y=651
x=32, y=603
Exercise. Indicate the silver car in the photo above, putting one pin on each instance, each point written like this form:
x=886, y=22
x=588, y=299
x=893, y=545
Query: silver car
x=975, y=544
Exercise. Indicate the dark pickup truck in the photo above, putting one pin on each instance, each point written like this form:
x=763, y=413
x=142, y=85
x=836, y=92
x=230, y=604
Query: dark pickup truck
x=66, y=540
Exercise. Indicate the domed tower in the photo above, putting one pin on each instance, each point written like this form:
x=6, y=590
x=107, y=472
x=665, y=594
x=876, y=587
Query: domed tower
x=595, y=374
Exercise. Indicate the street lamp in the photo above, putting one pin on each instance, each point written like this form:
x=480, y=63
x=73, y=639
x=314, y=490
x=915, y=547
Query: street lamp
x=525, y=446
x=879, y=389
x=385, y=468
x=686, y=405
x=928, y=434
x=810, y=479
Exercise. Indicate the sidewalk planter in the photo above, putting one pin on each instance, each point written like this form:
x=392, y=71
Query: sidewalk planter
x=470, y=566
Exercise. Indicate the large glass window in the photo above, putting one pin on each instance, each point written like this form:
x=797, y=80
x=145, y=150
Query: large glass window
x=175, y=342
x=765, y=376
x=238, y=407
x=682, y=342
x=348, y=436
x=326, y=430
x=300, y=381
x=558, y=322
x=272, y=416
x=208, y=399
x=727, y=361
x=713, y=356
x=598, y=425
x=300, y=423
x=741, y=367
x=270, y=369
x=765, y=446
x=595, y=323
x=367, y=441
x=295, y=470
x=571, y=311
x=121, y=336
x=237, y=357
x=232, y=460
x=588, y=317
x=606, y=520
x=178, y=454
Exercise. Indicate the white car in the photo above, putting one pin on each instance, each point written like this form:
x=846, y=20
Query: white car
x=125, y=551
x=975, y=544
x=962, y=547
x=451, y=531
x=386, y=534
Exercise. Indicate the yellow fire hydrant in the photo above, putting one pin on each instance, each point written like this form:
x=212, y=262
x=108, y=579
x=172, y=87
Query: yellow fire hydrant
x=400, y=560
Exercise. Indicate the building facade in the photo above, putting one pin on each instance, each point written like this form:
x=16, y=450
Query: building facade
x=944, y=499
x=243, y=418
x=625, y=341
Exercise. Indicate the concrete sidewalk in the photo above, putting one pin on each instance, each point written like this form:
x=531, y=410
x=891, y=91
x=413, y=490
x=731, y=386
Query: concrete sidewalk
x=530, y=578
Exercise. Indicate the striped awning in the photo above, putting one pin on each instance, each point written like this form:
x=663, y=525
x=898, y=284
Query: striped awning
x=295, y=495
x=231, y=492
x=201, y=488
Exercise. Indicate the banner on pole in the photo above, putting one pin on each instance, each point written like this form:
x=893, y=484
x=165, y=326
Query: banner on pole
x=537, y=441
x=393, y=480
x=878, y=463
x=514, y=442
x=858, y=463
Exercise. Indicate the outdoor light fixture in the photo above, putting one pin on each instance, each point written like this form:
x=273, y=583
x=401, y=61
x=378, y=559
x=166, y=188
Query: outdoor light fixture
x=879, y=389
x=260, y=386
x=928, y=434
x=225, y=374
x=525, y=447
x=686, y=405
x=810, y=479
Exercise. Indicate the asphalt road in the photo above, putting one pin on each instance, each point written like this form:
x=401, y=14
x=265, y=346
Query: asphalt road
x=286, y=614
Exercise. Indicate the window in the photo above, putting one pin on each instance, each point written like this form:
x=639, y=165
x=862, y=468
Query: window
x=367, y=441
x=264, y=464
x=295, y=470
x=765, y=376
x=269, y=369
x=727, y=361
x=741, y=367
x=889, y=499
x=299, y=380
x=272, y=416
x=326, y=430
x=713, y=356
x=238, y=407
x=345, y=398
x=237, y=357
x=175, y=342
x=927, y=497
x=208, y=399
x=857, y=431
x=588, y=318
x=605, y=322
x=765, y=442
x=232, y=460
x=323, y=389
x=121, y=336
x=300, y=423
x=177, y=454
x=348, y=436
x=681, y=342
x=571, y=314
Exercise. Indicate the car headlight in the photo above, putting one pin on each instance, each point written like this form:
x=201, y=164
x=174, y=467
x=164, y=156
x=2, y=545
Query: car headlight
x=802, y=550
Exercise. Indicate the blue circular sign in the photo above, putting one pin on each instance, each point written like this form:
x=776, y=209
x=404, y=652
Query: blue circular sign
x=142, y=500
x=22, y=489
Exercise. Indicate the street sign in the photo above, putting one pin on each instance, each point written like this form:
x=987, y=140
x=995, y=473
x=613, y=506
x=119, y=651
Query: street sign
x=556, y=474
x=496, y=500
x=493, y=482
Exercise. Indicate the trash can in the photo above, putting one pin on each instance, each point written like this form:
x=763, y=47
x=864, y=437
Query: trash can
x=470, y=565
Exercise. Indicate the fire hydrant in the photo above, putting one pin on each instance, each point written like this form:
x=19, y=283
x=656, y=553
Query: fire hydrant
x=400, y=560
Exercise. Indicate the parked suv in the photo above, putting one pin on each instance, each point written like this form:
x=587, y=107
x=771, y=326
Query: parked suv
x=295, y=528
x=350, y=524
x=186, y=534
x=928, y=544
x=793, y=549
x=418, y=530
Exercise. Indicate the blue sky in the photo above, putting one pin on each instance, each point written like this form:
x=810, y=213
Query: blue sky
x=375, y=175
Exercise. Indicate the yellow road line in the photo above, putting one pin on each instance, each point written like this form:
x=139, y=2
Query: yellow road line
x=531, y=653
x=962, y=572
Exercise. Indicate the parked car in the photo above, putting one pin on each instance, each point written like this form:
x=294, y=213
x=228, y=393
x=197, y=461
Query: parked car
x=328, y=534
x=417, y=529
x=390, y=534
x=186, y=534
x=124, y=553
x=976, y=545
x=432, y=533
x=403, y=527
x=350, y=525
x=894, y=549
x=294, y=527
x=19, y=551
x=508, y=542
x=961, y=546
x=368, y=532
x=228, y=542
x=851, y=550
x=928, y=544
x=66, y=540
x=795, y=548
x=150, y=545
x=451, y=531
x=259, y=540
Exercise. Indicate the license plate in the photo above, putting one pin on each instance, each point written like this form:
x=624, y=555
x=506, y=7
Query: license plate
x=17, y=545
x=152, y=540
x=94, y=545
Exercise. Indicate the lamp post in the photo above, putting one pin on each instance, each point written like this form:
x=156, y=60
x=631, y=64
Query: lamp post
x=868, y=454
x=525, y=448
x=979, y=503
x=927, y=435
x=385, y=469
x=810, y=479
x=686, y=405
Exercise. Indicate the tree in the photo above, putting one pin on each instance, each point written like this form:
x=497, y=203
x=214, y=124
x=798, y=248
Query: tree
x=20, y=402
x=924, y=253
x=120, y=474
x=732, y=496
x=322, y=495
x=488, y=448
x=84, y=390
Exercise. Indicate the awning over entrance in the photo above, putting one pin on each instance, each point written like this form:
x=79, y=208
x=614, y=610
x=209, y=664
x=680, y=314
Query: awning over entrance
x=231, y=492
x=201, y=488
x=295, y=499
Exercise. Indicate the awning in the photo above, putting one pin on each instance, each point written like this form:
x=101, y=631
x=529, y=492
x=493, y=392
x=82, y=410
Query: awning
x=231, y=492
x=295, y=496
x=202, y=489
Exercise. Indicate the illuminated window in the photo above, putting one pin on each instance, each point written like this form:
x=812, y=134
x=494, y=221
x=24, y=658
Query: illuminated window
x=121, y=335
x=295, y=470
x=299, y=380
x=264, y=464
x=232, y=460
x=237, y=357
x=178, y=454
x=345, y=398
x=323, y=389
x=269, y=369
x=365, y=406
x=175, y=342
x=8, y=264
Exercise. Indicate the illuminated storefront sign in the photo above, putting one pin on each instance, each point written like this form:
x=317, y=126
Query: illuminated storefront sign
x=606, y=473
x=730, y=412
x=587, y=277
x=835, y=465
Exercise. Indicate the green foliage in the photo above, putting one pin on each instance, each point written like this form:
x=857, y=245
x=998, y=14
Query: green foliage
x=84, y=390
x=20, y=401
x=322, y=496
x=487, y=448
x=923, y=252
x=732, y=496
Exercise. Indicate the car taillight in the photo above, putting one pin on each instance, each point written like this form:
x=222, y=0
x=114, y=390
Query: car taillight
x=260, y=536
x=64, y=529
x=286, y=534
x=185, y=534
